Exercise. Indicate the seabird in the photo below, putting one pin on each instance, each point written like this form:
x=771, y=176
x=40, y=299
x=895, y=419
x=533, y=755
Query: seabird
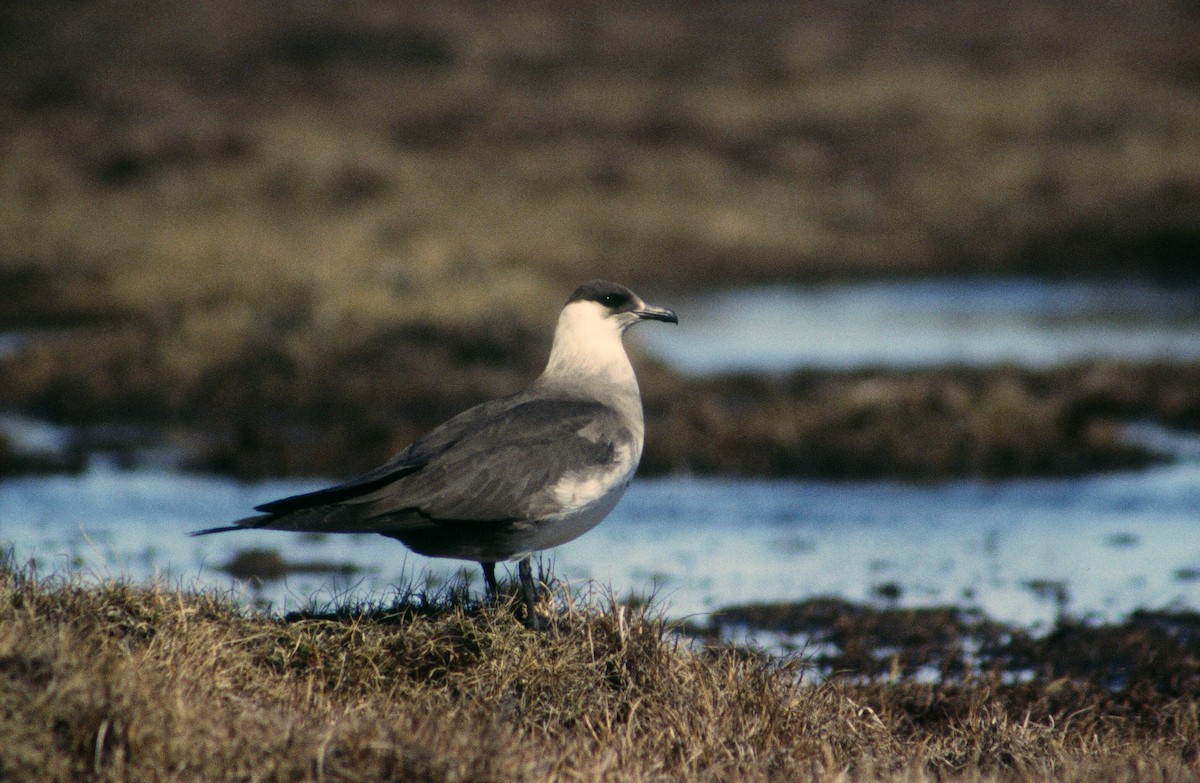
x=512, y=476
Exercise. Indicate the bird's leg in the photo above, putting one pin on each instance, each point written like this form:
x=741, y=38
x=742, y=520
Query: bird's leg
x=529, y=593
x=491, y=589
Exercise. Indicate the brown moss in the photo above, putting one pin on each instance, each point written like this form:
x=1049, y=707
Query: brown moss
x=924, y=424
x=265, y=409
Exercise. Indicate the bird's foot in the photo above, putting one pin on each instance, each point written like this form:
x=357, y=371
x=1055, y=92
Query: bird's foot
x=533, y=620
x=491, y=590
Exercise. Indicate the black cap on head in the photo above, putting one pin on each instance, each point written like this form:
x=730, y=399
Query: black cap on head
x=615, y=297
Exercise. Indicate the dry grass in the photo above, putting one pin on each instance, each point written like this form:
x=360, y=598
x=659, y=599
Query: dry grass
x=379, y=153
x=113, y=682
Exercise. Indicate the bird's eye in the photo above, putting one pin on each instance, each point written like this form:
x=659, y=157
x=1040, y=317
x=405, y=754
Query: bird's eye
x=613, y=301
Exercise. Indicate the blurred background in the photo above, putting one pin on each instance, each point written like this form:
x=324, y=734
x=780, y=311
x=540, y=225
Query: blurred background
x=950, y=244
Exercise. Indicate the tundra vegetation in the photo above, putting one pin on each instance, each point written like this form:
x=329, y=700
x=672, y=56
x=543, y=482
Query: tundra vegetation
x=209, y=211
x=113, y=682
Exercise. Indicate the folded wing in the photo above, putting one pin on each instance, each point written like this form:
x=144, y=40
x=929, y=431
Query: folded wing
x=457, y=473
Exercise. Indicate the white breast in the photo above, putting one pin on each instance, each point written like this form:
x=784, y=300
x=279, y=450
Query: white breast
x=586, y=499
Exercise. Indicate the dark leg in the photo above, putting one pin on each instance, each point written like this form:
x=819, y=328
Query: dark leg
x=529, y=593
x=491, y=589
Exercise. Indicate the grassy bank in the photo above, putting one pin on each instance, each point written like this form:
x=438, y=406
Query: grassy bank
x=924, y=424
x=117, y=683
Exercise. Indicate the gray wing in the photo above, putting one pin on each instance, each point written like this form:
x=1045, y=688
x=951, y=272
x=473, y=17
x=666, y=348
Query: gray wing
x=493, y=463
x=505, y=471
x=408, y=461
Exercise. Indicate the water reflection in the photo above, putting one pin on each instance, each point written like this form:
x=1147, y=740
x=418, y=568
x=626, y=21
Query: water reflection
x=922, y=323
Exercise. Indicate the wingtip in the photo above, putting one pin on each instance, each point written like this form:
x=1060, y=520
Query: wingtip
x=211, y=530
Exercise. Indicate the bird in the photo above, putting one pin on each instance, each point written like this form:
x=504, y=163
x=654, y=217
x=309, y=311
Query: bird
x=512, y=476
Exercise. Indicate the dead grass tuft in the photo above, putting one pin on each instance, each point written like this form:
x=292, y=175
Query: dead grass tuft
x=113, y=682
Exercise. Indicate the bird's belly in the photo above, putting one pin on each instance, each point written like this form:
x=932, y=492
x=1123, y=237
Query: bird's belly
x=563, y=527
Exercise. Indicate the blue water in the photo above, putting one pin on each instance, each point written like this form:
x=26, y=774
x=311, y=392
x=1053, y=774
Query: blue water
x=924, y=323
x=1117, y=542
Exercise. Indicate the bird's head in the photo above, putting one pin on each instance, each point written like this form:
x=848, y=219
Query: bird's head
x=588, y=337
x=612, y=306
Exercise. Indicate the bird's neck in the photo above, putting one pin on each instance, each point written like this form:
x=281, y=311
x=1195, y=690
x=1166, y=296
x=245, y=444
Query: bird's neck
x=594, y=361
x=602, y=362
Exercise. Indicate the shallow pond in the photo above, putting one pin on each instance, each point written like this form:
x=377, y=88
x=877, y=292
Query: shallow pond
x=923, y=323
x=1112, y=543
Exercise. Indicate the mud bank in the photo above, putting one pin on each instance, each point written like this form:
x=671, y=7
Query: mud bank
x=1151, y=650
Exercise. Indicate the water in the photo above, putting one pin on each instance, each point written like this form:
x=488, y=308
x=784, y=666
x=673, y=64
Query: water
x=1116, y=542
x=32, y=436
x=1113, y=543
x=924, y=323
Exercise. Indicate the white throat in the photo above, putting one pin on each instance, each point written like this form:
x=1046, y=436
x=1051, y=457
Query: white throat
x=587, y=349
